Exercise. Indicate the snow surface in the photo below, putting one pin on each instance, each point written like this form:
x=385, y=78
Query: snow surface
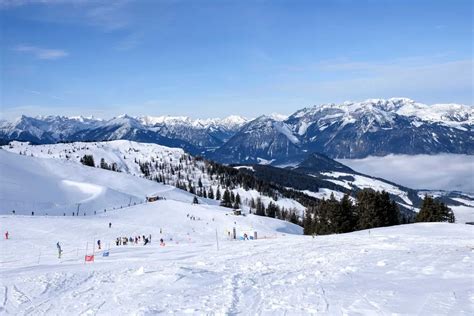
x=124, y=153
x=463, y=214
x=54, y=187
x=366, y=182
x=419, y=269
x=326, y=194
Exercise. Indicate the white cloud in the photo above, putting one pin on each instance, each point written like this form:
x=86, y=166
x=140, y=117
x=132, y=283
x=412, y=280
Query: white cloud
x=42, y=53
x=434, y=172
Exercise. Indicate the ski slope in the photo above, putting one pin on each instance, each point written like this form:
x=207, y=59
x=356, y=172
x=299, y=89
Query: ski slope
x=55, y=187
x=200, y=269
x=127, y=156
x=418, y=269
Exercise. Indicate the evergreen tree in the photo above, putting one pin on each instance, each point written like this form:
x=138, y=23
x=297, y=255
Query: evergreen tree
x=211, y=193
x=103, y=164
x=226, y=202
x=237, y=201
x=271, y=210
x=341, y=215
x=260, y=207
x=218, y=194
x=195, y=200
x=308, y=228
x=88, y=160
x=294, y=218
x=434, y=211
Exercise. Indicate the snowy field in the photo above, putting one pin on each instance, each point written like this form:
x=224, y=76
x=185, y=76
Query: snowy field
x=419, y=269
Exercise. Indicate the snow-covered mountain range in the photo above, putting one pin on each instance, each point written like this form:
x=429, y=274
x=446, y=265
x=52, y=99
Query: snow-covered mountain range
x=349, y=130
x=355, y=130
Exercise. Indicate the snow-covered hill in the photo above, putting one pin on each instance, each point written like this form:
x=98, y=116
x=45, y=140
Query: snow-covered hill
x=174, y=167
x=171, y=166
x=56, y=187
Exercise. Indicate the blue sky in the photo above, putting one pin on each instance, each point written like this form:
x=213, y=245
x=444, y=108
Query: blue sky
x=216, y=58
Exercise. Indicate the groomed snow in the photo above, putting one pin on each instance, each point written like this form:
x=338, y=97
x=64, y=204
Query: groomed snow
x=419, y=269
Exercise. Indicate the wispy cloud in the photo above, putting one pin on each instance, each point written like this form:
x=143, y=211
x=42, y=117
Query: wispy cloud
x=105, y=15
x=18, y=3
x=109, y=16
x=433, y=76
x=41, y=53
x=130, y=41
x=55, y=97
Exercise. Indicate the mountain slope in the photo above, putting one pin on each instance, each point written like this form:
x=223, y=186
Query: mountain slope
x=374, y=127
x=259, y=141
x=355, y=130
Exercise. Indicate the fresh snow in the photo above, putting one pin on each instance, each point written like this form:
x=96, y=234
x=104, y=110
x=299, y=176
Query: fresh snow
x=366, y=182
x=376, y=272
x=55, y=187
x=326, y=194
x=463, y=214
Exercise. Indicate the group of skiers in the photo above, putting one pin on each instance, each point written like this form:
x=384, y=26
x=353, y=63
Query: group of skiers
x=193, y=218
x=119, y=241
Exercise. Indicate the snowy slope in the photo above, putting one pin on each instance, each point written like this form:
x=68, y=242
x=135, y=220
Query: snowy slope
x=377, y=272
x=54, y=187
x=127, y=155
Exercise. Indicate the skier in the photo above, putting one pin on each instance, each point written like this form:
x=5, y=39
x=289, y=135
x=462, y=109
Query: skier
x=98, y=244
x=60, y=251
x=162, y=243
x=110, y=225
x=6, y=235
x=146, y=242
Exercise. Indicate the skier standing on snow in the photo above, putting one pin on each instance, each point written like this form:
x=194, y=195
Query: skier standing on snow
x=98, y=244
x=6, y=235
x=110, y=225
x=60, y=251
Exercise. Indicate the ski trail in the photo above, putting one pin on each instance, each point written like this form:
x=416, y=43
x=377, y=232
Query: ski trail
x=235, y=295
